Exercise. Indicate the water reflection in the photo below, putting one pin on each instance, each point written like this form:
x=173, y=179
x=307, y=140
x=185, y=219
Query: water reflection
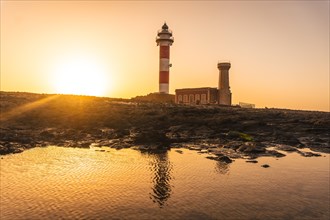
x=222, y=167
x=162, y=175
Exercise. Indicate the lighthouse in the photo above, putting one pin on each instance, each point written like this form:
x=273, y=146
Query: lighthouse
x=164, y=40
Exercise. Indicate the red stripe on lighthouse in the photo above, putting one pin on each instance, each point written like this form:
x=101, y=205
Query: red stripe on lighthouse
x=164, y=76
x=164, y=52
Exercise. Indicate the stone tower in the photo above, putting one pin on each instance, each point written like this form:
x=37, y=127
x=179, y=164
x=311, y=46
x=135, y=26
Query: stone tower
x=224, y=89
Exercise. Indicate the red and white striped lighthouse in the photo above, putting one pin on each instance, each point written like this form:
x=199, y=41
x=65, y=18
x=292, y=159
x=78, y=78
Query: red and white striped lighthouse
x=164, y=40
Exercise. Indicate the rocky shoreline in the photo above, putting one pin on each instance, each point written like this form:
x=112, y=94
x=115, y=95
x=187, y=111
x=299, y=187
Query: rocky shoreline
x=35, y=120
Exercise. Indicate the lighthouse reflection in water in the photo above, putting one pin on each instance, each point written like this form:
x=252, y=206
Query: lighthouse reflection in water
x=161, y=179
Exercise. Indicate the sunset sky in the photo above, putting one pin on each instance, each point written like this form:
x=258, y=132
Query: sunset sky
x=279, y=50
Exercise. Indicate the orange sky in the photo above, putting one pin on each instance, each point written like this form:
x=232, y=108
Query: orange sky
x=279, y=50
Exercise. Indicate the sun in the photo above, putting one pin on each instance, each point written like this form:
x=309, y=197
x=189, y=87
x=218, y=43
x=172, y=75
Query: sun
x=80, y=76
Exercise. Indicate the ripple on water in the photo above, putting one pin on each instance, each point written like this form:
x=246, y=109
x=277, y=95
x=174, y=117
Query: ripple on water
x=68, y=183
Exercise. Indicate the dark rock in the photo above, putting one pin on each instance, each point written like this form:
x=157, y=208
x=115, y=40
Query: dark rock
x=265, y=166
x=203, y=151
x=46, y=135
x=203, y=132
x=83, y=144
x=274, y=153
x=251, y=161
x=251, y=147
x=179, y=151
x=198, y=148
x=121, y=133
x=233, y=145
x=4, y=150
x=212, y=157
x=235, y=135
x=225, y=159
x=150, y=137
x=18, y=150
x=284, y=147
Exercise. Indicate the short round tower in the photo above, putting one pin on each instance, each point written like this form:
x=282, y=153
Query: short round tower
x=224, y=89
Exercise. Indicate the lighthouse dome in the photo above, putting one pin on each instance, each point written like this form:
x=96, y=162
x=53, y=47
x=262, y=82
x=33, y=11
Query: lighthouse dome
x=165, y=27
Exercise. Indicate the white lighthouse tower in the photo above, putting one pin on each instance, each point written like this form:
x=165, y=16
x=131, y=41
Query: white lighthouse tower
x=164, y=40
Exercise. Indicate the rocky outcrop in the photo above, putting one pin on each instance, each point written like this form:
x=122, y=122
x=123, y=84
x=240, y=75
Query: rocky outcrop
x=82, y=121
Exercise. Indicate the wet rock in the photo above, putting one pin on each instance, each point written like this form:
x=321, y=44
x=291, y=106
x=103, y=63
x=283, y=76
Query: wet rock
x=212, y=157
x=11, y=148
x=233, y=145
x=223, y=159
x=179, y=151
x=274, y=153
x=198, y=148
x=251, y=161
x=4, y=150
x=176, y=145
x=150, y=137
x=308, y=154
x=284, y=147
x=46, y=134
x=83, y=144
x=235, y=135
x=121, y=133
x=265, y=166
x=18, y=150
x=218, y=152
x=286, y=138
x=251, y=147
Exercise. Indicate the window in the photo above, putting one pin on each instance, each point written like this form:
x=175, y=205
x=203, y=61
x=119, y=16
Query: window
x=185, y=98
x=179, y=98
x=203, y=99
x=191, y=99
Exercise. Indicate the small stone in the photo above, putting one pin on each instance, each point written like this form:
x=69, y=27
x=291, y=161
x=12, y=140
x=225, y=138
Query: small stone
x=265, y=166
x=179, y=151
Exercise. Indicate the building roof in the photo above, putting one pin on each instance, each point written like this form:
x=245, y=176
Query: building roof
x=201, y=88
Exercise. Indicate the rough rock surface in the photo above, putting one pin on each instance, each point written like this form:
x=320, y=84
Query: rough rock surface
x=223, y=133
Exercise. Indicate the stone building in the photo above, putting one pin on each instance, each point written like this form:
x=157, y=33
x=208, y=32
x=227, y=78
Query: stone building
x=208, y=95
x=205, y=95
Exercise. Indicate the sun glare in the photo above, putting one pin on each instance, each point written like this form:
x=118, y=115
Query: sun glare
x=81, y=76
